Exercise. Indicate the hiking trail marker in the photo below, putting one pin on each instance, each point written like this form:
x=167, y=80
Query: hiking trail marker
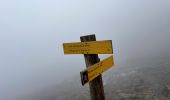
x=96, y=47
x=95, y=70
x=91, y=48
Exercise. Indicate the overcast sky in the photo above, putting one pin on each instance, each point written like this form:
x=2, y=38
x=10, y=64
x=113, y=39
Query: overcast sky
x=32, y=33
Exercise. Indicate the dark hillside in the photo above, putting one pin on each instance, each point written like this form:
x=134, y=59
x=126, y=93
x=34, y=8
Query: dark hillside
x=139, y=79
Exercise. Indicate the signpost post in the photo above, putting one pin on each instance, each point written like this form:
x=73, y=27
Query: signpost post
x=96, y=86
x=91, y=48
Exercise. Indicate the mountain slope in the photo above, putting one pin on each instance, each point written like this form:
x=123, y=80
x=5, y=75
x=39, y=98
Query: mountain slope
x=137, y=79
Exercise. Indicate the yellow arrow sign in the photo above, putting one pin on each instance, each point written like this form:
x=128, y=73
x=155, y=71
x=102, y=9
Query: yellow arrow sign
x=92, y=72
x=94, y=47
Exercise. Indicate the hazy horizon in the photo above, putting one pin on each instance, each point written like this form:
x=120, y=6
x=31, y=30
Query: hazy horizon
x=32, y=33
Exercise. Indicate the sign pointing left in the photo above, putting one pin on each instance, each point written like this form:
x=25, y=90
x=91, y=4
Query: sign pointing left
x=93, y=47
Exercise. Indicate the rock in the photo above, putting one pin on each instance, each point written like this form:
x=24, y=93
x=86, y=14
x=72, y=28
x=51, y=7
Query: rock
x=166, y=91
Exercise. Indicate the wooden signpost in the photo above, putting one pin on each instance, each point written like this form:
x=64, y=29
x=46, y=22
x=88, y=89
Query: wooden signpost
x=91, y=48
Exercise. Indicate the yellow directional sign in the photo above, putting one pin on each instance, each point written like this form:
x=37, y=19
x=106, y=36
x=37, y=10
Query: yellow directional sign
x=93, y=47
x=95, y=70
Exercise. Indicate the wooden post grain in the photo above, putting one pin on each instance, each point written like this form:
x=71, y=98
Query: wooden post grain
x=96, y=85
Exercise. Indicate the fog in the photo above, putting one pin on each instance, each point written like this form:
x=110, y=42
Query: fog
x=32, y=33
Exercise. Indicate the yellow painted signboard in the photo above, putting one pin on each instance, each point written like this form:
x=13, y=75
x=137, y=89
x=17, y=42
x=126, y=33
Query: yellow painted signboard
x=92, y=72
x=93, y=47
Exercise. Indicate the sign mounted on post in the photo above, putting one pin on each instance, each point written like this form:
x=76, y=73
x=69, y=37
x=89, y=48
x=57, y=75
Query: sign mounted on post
x=93, y=47
x=95, y=70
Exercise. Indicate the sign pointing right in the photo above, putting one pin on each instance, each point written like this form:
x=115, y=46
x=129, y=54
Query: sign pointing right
x=95, y=70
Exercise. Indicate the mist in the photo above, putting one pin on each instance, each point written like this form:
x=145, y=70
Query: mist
x=32, y=33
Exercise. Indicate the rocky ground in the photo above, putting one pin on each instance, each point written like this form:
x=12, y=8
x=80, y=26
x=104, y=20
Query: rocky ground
x=144, y=83
x=145, y=80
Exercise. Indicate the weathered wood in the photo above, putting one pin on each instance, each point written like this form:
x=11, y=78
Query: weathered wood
x=96, y=85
